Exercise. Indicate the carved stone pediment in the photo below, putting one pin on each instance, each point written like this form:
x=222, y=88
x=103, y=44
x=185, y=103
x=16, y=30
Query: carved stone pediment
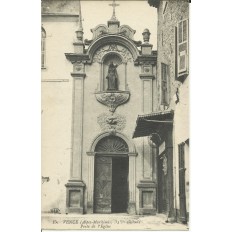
x=112, y=99
x=102, y=29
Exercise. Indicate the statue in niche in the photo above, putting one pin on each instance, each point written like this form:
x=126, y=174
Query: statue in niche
x=112, y=76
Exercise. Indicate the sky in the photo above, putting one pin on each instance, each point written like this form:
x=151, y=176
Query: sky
x=137, y=14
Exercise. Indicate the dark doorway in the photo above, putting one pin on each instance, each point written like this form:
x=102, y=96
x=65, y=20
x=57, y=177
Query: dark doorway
x=111, y=175
x=162, y=185
x=120, y=184
x=111, y=184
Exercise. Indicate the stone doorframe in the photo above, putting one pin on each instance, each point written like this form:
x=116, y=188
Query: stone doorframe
x=132, y=171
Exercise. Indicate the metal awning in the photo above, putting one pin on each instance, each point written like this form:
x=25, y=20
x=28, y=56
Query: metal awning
x=156, y=122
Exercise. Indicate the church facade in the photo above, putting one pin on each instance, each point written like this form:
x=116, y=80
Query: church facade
x=92, y=92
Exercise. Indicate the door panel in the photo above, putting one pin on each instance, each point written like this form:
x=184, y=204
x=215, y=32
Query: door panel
x=120, y=185
x=103, y=184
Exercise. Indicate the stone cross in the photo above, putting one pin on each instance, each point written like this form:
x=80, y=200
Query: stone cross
x=114, y=5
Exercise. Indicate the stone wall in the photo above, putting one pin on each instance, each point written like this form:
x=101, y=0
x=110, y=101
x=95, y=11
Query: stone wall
x=169, y=14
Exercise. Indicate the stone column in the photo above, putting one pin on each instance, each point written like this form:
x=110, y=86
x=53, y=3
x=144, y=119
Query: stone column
x=91, y=156
x=132, y=180
x=75, y=186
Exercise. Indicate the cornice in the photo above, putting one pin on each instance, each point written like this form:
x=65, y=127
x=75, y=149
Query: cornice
x=146, y=59
x=112, y=39
x=59, y=14
x=78, y=75
x=147, y=76
x=75, y=57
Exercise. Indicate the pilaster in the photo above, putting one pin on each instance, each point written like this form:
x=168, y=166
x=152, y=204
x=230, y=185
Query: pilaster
x=90, y=193
x=132, y=180
x=147, y=186
x=75, y=186
x=147, y=107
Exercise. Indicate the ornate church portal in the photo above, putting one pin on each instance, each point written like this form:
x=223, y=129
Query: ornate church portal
x=113, y=82
x=111, y=188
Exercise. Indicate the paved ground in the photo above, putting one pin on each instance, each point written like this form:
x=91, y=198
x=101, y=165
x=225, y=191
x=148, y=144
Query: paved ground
x=109, y=222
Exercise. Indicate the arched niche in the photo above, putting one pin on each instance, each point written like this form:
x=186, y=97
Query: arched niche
x=116, y=59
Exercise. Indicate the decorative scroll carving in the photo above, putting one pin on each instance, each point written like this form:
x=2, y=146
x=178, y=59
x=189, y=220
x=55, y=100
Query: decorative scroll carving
x=99, y=30
x=111, y=122
x=113, y=99
x=112, y=47
x=127, y=31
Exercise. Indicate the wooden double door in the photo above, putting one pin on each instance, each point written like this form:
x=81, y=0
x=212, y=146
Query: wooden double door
x=111, y=184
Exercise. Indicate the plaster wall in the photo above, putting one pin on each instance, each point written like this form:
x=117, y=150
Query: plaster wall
x=59, y=39
x=181, y=119
x=56, y=105
x=56, y=142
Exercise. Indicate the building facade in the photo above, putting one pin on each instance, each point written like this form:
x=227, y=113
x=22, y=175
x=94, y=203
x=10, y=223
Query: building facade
x=59, y=21
x=92, y=91
x=168, y=127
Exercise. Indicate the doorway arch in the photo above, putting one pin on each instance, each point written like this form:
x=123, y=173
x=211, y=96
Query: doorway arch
x=111, y=171
x=110, y=151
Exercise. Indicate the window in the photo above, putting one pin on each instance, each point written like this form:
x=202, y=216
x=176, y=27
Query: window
x=43, y=48
x=164, y=84
x=182, y=50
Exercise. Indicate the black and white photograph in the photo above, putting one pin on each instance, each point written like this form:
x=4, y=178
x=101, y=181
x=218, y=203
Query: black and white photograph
x=99, y=101
x=115, y=115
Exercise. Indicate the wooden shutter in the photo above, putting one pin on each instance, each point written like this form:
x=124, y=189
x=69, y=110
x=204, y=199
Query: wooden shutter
x=182, y=48
x=164, y=83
